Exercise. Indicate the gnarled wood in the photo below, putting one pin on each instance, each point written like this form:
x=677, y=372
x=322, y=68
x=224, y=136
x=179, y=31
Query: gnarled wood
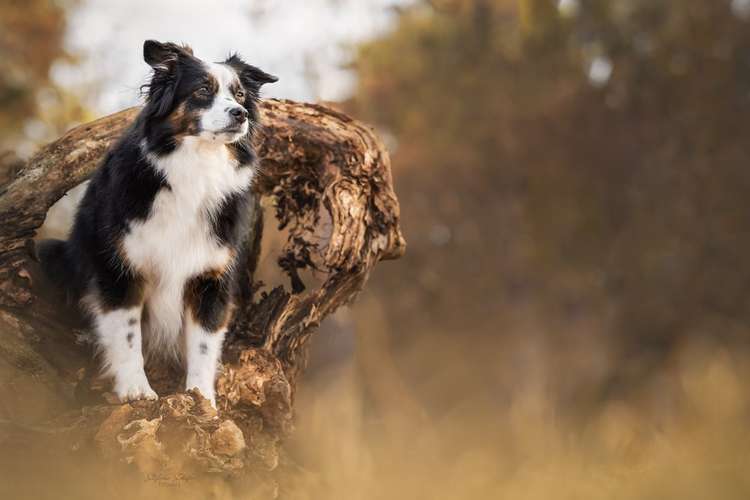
x=329, y=181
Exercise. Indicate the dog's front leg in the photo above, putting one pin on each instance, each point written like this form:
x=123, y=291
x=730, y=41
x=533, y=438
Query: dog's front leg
x=119, y=338
x=207, y=315
x=119, y=333
x=116, y=302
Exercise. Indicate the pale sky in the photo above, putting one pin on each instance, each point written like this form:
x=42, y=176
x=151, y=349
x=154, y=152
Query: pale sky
x=291, y=39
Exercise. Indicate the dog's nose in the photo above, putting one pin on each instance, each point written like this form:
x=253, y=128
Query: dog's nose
x=239, y=114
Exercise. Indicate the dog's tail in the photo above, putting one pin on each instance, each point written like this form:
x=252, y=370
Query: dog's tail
x=57, y=264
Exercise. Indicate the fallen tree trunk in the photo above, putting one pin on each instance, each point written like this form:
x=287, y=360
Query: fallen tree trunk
x=328, y=179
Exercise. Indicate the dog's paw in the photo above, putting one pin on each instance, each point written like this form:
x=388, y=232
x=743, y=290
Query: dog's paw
x=134, y=389
x=206, y=391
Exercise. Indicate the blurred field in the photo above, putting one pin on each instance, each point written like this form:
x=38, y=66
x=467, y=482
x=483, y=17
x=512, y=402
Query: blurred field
x=683, y=437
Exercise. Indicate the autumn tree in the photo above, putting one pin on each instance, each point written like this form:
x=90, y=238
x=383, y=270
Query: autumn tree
x=577, y=162
x=31, y=43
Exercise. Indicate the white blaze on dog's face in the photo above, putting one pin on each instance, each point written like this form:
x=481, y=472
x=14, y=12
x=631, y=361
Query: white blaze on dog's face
x=226, y=119
x=188, y=97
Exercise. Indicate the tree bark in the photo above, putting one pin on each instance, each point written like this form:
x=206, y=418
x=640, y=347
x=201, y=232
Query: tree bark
x=328, y=179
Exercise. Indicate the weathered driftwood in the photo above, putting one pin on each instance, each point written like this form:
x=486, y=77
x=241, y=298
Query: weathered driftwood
x=328, y=178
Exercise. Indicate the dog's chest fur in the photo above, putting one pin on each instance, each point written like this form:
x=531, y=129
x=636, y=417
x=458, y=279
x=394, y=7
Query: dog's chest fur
x=177, y=242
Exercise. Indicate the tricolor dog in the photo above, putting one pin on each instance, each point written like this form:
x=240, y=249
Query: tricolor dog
x=152, y=252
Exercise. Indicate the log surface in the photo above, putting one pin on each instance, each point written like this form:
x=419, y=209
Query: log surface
x=328, y=180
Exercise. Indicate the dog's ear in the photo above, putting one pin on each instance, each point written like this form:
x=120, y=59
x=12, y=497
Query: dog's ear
x=160, y=91
x=163, y=56
x=251, y=77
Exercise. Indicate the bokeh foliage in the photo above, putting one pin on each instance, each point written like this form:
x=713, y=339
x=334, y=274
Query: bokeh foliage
x=31, y=40
x=529, y=183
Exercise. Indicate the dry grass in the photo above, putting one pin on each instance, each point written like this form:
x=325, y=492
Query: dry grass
x=684, y=435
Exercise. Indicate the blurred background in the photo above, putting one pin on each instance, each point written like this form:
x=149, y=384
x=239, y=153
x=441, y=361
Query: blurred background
x=572, y=316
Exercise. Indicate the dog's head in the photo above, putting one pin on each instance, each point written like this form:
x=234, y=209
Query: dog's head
x=190, y=97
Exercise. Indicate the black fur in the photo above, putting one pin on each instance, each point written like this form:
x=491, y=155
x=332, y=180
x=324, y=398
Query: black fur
x=252, y=78
x=121, y=191
x=231, y=221
x=208, y=296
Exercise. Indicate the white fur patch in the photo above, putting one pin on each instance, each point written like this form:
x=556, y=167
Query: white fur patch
x=217, y=117
x=119, y=336
x=176, y=242
x=202, y=354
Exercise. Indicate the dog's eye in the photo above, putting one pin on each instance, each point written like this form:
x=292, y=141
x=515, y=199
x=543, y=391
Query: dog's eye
x=203, y=91
x=239, y=94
